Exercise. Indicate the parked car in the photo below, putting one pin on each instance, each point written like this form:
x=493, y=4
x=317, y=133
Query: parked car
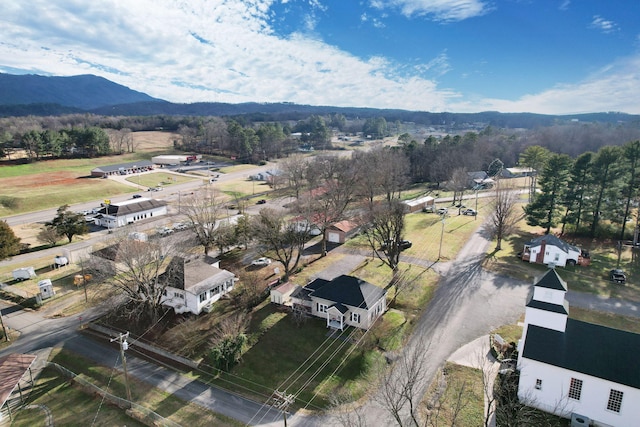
x=469, y=211
x=180, y=226
x=618, y=276
x=136, y=196
x=404, y=244
x=261, y=202
x=165, y=231
x=443, y=211
x=261, y=261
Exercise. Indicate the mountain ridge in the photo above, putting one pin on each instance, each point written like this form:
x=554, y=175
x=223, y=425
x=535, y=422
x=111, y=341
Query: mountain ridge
x=33, y=94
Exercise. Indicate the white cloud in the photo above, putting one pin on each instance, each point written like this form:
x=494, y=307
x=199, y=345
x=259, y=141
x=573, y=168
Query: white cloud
x=201, y=50
x=188, y=51
x=438, y=10
x=615, y=87
x=604, y=25
x=564, y=5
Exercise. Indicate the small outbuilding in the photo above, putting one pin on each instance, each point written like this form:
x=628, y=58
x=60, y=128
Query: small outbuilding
x=420, y=204
x=281, y=295
x=46, y=288
x=339, y=232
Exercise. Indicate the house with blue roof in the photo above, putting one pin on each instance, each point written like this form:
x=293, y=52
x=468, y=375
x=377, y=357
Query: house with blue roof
x=574, y=369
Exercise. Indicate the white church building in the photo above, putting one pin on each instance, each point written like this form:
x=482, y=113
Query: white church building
x=574, y=369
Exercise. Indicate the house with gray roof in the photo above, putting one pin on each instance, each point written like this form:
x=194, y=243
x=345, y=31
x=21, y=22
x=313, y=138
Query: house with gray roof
x=193, y=285
x=343, y=301
x=550, y=250
x=576, y=369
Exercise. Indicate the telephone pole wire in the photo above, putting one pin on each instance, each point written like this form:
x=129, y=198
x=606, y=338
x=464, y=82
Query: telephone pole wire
x=282, y=401
x=124, y=345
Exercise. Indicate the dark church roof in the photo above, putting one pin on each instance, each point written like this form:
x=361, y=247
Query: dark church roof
x=595, y=350
x=551, y=280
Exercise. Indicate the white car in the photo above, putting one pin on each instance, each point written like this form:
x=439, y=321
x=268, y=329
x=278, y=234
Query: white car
x=261, y=261
x=165, y=231
x=180, y=226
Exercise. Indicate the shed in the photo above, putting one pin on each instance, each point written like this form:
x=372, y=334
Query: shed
x=422, y=203
x=282, y=294
x=339, y=232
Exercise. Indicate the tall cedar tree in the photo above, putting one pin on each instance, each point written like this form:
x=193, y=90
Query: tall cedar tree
x=9, y=243
x=68, y=223
x=605, y=174
x=631, y=154
x=578, y=184
x=544, y=211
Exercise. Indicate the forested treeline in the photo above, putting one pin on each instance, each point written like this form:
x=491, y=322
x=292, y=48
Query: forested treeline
x=430, y=158
x=594, y=194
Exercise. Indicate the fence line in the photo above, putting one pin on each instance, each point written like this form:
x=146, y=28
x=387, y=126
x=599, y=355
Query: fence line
x=140, y=413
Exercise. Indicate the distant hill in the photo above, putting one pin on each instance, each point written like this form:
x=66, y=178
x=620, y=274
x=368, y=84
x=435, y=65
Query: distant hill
x=84, y=92
x=22, y=95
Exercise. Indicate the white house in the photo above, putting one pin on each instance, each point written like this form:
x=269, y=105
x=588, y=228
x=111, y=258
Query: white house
x=116, y=215
x=550, y=250
x=576, y=369
x=343, y=301
x=193, y=285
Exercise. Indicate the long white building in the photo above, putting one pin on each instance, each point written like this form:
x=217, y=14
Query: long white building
x=130, y=211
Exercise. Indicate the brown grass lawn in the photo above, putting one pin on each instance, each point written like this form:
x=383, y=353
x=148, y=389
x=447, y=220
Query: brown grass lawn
x=51, y=183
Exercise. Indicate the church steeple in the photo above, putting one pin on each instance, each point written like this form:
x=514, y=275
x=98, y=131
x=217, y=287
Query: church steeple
x=548, y=307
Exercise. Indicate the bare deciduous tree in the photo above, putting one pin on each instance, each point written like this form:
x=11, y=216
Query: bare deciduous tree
x=280, y=237
x=134, y=269
x=337, y=176
x=295, y=168
x=203, y=211
x=48, y=236
x=401, y=385
x=458, y=183
x=384, y=228
x=505, y=213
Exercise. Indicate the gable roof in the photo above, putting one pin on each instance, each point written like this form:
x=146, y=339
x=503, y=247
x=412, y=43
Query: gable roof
x=589, y=349
x=344, y=226
x=551, y=280
x=12, y=369
x=193, y=275
x=350, y=291
x=133, y=206
x=552, y=240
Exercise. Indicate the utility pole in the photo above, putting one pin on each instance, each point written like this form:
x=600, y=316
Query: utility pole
x=282, y=401
x=441, y=236
x=4, y=328
x=124, y=345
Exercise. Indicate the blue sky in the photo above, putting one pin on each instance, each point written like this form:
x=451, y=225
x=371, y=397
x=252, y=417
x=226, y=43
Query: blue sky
x=541, y=56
